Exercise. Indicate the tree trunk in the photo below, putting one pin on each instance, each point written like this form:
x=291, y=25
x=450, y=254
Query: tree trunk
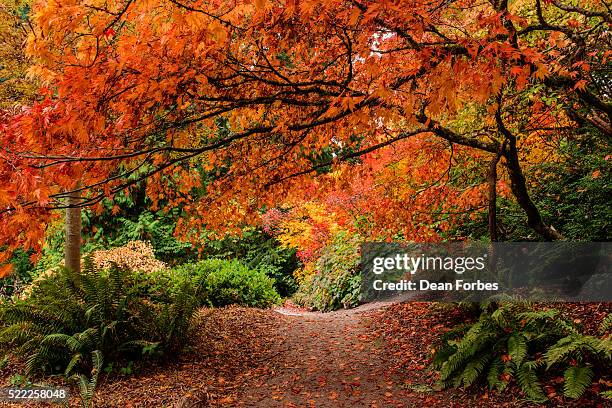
x=72, y=246
x=492, y=176
x=518, y=185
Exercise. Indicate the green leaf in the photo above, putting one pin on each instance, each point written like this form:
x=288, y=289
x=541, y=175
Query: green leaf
x=517, y=348
x=474, y=368
x=572, y=345
x=495, y=371
x=577, y=380
x=606, y=324
x=527, y=378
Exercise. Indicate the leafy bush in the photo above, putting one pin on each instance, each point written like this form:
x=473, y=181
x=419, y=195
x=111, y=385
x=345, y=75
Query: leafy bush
x=221, y=282
x=334, y=281
x=134, y=256
x=514, y=341
x=68, y=317
x=261, y=251
x=284, y=282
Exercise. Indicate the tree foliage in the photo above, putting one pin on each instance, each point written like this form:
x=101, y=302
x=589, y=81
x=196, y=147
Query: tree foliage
x=15, y=25
x=266, y=96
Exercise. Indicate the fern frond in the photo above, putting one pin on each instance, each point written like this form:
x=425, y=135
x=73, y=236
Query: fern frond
x=87, y=386
x=89, y=338
x=532, y=317
x=577, y=380
x=527, y=379
x=605, y=348
x=62, y=340
x=74, y=361
x=606, y=324
x=17, y=333
x=517, y=348
x=499, y=316
x=474, y=368
x=572, y=344
x=494, y=374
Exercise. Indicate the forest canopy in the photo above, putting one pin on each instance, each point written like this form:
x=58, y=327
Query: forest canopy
x=232, y=109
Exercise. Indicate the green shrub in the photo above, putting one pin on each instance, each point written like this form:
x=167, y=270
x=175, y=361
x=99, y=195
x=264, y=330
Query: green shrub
x=67, y=317
x=514, y=341
x=284, y=282
x=221, y=282
x=335, y=282
x=261, y=251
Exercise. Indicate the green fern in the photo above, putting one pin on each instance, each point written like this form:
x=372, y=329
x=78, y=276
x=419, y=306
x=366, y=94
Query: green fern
x=576, y=346
x=503, y=342
x=70, y=315
x=517, y=348
x=539, y=316
x=87, y=386
x=577, y=380
x=465, y=349
x=475, y=368
x=527, y=378
x=605, y=348
x=606, y=324
x=494, y=376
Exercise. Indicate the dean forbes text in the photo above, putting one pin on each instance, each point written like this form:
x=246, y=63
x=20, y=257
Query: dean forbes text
x=459, y=285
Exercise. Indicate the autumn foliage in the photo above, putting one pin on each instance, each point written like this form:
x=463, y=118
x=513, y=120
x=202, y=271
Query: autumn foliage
x=230, y=107
x=134, y=256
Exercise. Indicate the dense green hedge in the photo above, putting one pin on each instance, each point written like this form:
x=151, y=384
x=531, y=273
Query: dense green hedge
x=222, y=282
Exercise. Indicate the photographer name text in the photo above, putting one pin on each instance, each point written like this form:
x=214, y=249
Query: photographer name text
x=423, y=284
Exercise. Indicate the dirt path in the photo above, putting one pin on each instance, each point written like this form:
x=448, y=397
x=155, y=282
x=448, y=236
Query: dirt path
x=324, y=360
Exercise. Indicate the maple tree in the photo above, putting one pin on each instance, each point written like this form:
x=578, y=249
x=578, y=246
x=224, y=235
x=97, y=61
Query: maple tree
x=252, y=100
x=16, y=87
